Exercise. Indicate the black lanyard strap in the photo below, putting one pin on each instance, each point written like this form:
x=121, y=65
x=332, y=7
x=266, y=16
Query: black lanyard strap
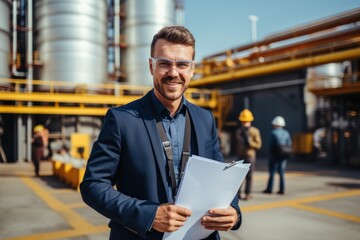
x=169, y=153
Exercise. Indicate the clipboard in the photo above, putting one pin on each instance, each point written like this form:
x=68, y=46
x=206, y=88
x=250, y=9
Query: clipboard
x=206, y=184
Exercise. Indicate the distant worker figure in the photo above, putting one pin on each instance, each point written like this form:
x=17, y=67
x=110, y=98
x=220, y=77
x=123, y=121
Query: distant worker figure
x=45, y=136
x=319, y=142
x=248, y=140
x=2, y=152
x=37, y=147
x=280, y=150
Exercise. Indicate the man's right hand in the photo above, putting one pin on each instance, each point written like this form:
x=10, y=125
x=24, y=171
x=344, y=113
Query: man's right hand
x=170, y=218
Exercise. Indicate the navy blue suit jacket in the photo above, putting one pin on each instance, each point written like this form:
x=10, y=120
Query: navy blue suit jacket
x=129, y=155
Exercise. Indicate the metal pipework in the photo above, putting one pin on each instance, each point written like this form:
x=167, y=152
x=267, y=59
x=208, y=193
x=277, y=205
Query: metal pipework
x=4, y=38
x=117, y=36
x=348, y=17
x=277, y=67
x=29, y=60
x=14, y=42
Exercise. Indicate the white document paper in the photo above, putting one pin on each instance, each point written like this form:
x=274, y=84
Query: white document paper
x=206, y=184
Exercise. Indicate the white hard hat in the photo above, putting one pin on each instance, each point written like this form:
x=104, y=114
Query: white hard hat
x=278, y=121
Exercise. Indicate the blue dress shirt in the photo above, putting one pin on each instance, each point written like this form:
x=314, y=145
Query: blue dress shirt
x=175, y=130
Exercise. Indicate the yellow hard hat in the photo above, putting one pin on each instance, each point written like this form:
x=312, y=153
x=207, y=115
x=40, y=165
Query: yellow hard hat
x=246, y=116
x=39, y=128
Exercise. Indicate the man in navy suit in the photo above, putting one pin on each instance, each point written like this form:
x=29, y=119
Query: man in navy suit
x=129, y=151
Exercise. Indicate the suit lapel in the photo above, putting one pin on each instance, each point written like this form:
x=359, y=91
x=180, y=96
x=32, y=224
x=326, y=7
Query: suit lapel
x=198, y=129
x=150, y=124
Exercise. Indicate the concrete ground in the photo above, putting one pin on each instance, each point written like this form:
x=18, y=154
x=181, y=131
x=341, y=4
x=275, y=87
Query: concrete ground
x=321, y=202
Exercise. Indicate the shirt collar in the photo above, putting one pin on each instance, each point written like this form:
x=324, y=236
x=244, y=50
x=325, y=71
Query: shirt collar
x=161, y=111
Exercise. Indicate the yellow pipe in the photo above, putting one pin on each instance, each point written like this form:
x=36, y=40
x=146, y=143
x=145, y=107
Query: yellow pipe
x=349, y=88
x=73, y=110
x=66, y=98
x=51, y=110
x=277, y=67
x=87, y=98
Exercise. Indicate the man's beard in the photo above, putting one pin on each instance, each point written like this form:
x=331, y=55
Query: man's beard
x=160, y=89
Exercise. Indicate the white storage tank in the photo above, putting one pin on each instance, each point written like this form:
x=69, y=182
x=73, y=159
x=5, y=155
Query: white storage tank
x=4, y=39
x=143, y=20
x=72, y=40
x=325, y=76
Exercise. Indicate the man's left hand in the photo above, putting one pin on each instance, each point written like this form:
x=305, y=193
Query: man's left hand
x=220, y=219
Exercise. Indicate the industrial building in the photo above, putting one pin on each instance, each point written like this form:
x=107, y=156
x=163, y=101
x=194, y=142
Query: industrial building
x=308, y=74
x=64, y=63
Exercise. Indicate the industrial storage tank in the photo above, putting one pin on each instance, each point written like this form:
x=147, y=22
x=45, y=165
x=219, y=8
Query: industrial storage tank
x=143, y=19
x=72, y=40
x=4, y=38
x=325, y=76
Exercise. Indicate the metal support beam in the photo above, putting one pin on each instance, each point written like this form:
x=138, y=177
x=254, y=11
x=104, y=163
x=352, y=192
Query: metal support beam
x=235, y=75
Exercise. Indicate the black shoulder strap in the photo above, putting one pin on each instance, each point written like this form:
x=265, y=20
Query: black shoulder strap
x=186, y=146
x=169, y=154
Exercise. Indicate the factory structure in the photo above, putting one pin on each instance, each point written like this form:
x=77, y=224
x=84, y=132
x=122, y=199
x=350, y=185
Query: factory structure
x=308, y=74
x=64, y=63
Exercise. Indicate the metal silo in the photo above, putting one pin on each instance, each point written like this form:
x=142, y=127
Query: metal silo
x=72, y=40
x=143, y=19
x=4, y=38
x=325, y=76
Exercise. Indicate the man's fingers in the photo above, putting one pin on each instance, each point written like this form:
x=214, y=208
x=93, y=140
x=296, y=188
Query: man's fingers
x=220, y=219
x=170, y=218
x=220, y=223
x=183, y=211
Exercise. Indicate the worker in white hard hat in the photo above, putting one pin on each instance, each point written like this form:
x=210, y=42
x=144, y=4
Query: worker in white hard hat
x=280, y=151
x=248, y=141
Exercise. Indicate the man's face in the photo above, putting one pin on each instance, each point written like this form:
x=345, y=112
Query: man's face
x=246, y=124
x=172, y=69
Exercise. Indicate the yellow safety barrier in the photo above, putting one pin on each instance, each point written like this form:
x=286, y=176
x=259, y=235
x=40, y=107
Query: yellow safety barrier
x=80, y=145
x=56, y=165
x=69, y=170
x=64, y=170
x=75, y=176
x=303, y=143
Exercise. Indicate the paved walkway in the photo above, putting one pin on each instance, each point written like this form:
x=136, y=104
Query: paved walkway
x=321, y=202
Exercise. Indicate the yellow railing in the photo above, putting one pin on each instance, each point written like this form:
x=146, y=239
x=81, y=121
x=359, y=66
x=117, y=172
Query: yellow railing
x=66, y=98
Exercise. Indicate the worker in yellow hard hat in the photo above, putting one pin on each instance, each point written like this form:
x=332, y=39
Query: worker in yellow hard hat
x=37, y=152
x=38, y=128
x=248, y=140
x=246, y=116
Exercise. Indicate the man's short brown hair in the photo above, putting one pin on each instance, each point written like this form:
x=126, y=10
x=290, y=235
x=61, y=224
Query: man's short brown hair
x=174, y=34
